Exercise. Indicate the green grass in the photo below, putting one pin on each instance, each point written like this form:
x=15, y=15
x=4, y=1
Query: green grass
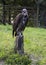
x=6, y=40
x=34, y=41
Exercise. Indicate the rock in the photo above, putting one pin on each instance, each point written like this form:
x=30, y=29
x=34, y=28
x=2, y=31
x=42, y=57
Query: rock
x=2, y=62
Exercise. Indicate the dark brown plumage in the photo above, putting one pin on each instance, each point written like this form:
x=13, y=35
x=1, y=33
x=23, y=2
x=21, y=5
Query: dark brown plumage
x=19, y=23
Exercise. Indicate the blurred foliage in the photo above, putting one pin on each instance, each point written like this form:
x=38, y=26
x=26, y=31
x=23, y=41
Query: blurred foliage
x=10, y=10
x=22, y=2
x=16, y=59
x=41, y=62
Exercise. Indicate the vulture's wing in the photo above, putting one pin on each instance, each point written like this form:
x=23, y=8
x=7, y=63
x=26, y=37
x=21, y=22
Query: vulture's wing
x=23, y=24
x=16, y=22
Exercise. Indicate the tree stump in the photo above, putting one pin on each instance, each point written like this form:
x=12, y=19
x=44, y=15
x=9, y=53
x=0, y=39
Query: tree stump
x=19, y=45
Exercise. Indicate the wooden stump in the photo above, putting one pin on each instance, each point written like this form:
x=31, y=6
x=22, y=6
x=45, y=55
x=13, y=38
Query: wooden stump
x=19, y=45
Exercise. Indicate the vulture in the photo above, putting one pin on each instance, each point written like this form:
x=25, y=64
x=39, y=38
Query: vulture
x=20, y=22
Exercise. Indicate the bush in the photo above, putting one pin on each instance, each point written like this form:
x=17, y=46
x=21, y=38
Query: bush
x=16, y=59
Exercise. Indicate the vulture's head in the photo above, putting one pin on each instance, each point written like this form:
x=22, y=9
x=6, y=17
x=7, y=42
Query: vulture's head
x=24, y=12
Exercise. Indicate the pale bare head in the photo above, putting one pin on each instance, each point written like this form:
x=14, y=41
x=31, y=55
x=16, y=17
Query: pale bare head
x=24, y=12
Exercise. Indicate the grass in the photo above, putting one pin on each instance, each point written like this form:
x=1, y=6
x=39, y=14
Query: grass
x=6, y=40
x=34, y=41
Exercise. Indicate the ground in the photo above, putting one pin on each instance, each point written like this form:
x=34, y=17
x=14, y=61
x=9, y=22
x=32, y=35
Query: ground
x=34, y=42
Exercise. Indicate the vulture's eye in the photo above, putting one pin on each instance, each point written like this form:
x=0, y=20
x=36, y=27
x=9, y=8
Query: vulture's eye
x=24, y=12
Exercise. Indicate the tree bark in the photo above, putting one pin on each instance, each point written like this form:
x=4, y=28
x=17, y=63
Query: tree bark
x=37, y=15
x=4, y=13
x=9, y=22
x=19, y=45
